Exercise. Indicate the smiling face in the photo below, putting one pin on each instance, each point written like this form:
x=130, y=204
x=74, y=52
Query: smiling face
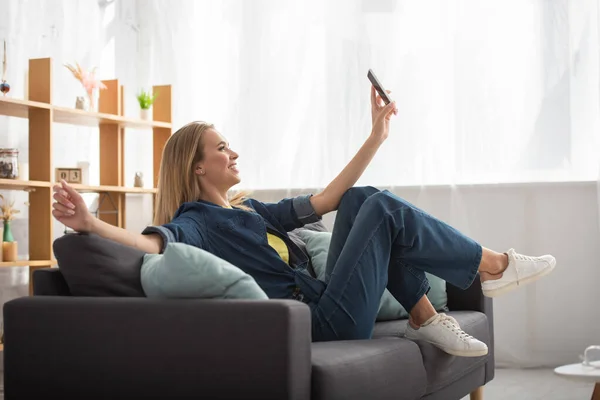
x=218, y=169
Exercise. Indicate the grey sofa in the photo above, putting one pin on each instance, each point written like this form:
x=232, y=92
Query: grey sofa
x=114, y=347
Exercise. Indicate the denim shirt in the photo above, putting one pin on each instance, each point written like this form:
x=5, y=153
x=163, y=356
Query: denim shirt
x=240, y=237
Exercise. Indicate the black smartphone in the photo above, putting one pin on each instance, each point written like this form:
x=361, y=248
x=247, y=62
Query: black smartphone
x=386, y=98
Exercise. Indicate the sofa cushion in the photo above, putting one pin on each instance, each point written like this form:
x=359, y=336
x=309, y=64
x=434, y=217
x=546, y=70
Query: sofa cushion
x=389, y=368
x=442, y=368
x=188, y=272
x=314, y=227
x=94, y=266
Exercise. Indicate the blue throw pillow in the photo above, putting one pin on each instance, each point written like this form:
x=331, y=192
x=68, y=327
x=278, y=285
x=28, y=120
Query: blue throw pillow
x=185, y=271
x=317, y=246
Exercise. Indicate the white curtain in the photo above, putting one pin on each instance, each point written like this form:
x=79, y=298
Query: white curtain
x=488, y=91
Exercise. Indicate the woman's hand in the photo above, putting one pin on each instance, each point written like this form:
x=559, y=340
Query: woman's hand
x=381, y=115
x=70, y=209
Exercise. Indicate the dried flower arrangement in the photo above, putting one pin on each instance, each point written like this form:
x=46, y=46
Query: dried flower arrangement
x=88, y=81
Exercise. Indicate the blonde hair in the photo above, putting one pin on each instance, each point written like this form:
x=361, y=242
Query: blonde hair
x=177, y=182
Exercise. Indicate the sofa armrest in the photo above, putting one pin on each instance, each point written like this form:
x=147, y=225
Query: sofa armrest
x=92, y=348
x=472, y=299
x=49, y=282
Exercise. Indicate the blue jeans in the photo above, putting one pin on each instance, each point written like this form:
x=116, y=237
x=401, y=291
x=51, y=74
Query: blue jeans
x=379, y=241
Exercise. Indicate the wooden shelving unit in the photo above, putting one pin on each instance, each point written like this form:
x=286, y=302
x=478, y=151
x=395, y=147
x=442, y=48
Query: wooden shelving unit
x=111, y=124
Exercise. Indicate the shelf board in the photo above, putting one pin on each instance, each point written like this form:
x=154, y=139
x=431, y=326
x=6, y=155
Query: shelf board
x=73, y=116
x=19, y=108
x=111, y=189
x=31, y=263
x=16, y=184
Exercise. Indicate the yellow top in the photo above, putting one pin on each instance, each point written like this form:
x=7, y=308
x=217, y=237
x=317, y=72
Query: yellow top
x=278, y=245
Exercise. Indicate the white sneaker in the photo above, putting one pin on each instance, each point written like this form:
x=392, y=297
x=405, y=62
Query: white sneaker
x=520, y=271
x=444, y=332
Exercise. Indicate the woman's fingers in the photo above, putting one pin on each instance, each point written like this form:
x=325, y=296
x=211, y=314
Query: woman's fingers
x=59, y=215
x=73, y=194
x=59, y=190
x=388, y=110
x=63, y=200
x=63, y=209
x=391, y=109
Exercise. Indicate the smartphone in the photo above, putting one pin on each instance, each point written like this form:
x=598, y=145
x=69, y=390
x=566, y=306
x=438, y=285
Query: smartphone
x=386, y=98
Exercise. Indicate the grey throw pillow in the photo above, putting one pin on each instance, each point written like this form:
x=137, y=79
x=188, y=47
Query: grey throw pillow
x=94, y=266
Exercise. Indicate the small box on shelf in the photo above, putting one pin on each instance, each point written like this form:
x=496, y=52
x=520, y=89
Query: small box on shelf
x=69, y=175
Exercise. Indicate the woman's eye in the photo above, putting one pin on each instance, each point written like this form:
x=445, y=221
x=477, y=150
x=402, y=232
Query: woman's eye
x=221, y=148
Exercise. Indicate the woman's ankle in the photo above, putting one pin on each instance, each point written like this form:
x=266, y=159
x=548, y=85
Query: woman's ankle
x=421, y=312
x=416, y=320
x=492, y=263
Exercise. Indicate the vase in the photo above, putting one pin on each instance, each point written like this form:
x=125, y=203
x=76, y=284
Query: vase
x=145, y=114
x=7, y=235
x=9, y=251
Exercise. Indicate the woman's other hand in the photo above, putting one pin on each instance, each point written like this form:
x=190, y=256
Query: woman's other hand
x=70, y=209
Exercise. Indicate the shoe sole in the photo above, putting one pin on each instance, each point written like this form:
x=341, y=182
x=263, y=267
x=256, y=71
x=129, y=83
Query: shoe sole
x=514, y=285
x=457, y=353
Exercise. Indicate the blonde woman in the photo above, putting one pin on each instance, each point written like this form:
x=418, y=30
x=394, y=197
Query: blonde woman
x=378, y=239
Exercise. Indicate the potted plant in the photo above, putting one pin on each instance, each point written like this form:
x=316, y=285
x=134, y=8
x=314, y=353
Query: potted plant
x=145, y=99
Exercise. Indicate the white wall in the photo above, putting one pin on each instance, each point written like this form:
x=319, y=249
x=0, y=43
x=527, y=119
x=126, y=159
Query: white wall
x=549, y=322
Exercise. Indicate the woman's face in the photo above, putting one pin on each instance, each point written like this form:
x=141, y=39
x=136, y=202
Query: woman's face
x=219, y=168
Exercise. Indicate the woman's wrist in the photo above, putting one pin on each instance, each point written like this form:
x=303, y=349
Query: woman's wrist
x=375, y=139
x=92, y=225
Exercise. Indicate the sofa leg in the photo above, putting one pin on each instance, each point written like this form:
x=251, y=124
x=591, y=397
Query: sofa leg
x=477, y=394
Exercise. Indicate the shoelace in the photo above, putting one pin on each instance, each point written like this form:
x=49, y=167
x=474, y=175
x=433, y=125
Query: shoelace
x=522, y=257
x=452, y=324
x=526, y=258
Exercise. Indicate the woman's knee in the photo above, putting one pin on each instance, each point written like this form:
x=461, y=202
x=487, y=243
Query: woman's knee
x=358, y=194
x=384, y=204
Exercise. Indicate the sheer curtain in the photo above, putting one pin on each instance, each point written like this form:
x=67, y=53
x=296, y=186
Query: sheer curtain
x=488, y=91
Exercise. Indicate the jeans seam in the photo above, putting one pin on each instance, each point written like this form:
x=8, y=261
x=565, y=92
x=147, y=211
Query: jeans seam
x=329, y=317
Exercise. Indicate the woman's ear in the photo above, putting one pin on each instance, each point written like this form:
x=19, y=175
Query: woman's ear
x=198, y=170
